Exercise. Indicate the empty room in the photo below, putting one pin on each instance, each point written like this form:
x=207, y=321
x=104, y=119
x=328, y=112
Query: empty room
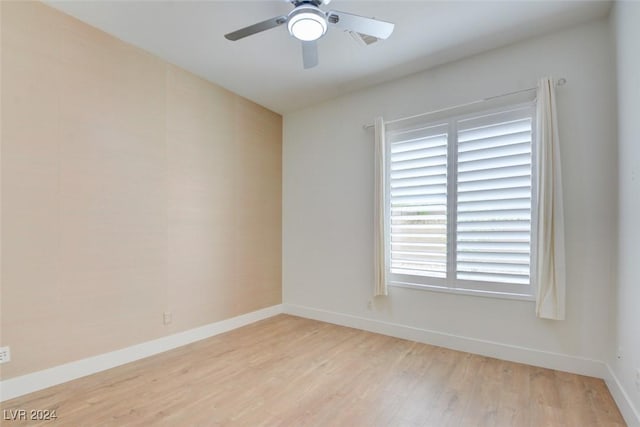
x=320, y=213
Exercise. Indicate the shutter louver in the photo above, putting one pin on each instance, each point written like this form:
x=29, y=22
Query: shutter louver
x=493, y=220
x=418, y=202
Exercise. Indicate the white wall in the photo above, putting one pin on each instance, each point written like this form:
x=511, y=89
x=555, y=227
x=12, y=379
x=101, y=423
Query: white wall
x=625, y=24
x=328, y=195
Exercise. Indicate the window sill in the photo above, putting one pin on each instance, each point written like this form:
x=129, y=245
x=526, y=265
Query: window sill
x=472, y=292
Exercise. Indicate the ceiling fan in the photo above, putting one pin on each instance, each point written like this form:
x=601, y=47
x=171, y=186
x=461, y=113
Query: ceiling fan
x=307, y=23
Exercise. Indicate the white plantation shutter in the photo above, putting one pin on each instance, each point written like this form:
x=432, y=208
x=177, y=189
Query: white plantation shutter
x=469, y=178
x=418, y=201
x=494, y=198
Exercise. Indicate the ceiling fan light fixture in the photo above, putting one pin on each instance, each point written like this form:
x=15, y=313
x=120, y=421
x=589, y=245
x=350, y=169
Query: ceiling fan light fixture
x=307, y=23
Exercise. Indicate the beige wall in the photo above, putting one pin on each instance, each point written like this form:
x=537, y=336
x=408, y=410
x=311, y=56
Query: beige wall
x=129, y=188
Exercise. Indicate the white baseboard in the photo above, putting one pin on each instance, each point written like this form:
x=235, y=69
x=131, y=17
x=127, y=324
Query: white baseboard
x=35, y=381
x=629, y=412
x=512, y=353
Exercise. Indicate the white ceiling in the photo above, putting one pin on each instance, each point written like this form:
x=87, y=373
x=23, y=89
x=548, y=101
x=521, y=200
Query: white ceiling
x=267, y=67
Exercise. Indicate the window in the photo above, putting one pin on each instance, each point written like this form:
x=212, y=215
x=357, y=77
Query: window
x=460, y=196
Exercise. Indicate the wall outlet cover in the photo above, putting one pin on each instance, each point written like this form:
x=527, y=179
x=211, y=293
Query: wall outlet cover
x=167, y=317
x=5, y=354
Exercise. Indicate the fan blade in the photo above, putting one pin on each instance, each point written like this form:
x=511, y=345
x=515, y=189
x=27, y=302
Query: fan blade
x=256, y=28
x=360, y=24
x=310, y=54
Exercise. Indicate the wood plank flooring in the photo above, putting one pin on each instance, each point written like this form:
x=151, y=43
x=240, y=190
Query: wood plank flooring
x=289, y=371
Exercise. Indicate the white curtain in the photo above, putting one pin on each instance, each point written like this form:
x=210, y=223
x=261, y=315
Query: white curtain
x=379, y=197
x=550, y=257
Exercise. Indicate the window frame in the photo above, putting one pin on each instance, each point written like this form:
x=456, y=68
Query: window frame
x=451, y=284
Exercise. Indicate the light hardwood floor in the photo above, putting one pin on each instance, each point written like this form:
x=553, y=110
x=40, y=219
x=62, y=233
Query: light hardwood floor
x=289, y=371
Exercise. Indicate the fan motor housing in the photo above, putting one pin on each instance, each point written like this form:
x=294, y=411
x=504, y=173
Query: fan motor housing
x=316, y=3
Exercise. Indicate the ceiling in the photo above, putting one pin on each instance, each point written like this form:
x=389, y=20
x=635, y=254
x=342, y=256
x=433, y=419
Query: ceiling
x=267, y=67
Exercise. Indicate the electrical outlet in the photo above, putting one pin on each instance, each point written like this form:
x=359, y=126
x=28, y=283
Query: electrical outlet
x=619, y=353
x=167, y=317
x=638, y=380
x=5, y=354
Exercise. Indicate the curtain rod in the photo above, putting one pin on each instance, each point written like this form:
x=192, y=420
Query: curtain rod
x=560, y=82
